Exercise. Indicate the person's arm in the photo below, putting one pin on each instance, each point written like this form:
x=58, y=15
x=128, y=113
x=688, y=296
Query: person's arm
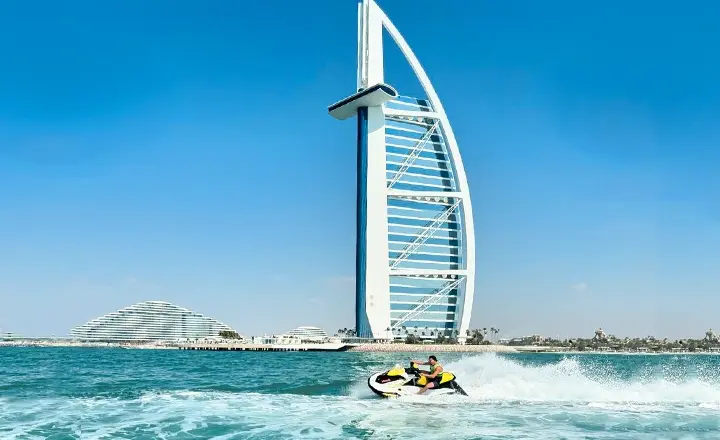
x=418, y=362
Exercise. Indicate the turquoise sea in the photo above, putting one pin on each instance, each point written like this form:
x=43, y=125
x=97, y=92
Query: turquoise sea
x=85, y=393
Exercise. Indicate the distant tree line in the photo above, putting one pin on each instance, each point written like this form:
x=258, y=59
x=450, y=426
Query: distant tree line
x=649, y=343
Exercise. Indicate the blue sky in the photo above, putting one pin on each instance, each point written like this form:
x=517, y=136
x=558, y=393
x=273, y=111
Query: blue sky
x=182, y=151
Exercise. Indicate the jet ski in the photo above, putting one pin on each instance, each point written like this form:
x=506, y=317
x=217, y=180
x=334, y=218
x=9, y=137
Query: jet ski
x=400, y=381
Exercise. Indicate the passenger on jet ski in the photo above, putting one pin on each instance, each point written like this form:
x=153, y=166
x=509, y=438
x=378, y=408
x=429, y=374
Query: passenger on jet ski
x=433, y=378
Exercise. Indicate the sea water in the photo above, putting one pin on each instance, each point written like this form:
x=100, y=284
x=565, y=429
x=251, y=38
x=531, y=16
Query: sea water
x=86, y=393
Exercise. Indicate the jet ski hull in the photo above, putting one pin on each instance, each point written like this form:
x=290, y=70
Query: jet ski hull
x=389, y=387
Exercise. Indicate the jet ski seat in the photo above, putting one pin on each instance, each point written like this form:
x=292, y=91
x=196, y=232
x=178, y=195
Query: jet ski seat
x=445, y=377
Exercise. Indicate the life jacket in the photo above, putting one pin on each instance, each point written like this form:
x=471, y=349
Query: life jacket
x=441, y=378
x=438, y=378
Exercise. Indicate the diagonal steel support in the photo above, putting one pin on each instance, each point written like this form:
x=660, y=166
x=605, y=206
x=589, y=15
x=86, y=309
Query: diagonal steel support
x=427, y=301
x=426, y=233
x=414, y=154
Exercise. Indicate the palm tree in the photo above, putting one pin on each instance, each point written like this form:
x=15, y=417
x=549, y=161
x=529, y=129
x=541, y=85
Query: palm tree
x=475, y=337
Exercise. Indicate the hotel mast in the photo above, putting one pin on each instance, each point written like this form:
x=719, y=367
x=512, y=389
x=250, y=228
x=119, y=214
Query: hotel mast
x=415, y=252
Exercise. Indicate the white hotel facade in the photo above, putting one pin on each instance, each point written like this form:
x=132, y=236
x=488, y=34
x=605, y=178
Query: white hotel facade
x=415, y=252
x=149, y=321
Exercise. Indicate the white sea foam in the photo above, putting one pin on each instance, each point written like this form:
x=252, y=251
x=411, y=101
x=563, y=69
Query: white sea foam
x=492, y=377
x=507, y=400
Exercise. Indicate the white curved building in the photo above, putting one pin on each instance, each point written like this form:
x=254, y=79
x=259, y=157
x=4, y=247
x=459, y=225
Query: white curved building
x=415, y=254
x=307, y=334
x=149, y=321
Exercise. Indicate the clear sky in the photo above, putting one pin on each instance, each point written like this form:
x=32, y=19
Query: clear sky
x=182, y=151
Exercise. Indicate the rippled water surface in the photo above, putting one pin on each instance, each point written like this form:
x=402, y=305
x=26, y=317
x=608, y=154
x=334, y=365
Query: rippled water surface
x=73, y=393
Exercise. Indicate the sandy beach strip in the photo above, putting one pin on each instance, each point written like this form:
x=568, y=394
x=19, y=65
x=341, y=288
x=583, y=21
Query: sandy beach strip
x=435, y=348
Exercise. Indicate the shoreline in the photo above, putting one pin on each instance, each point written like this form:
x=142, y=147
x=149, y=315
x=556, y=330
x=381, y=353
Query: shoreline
x=339, y=347
x=437, y=348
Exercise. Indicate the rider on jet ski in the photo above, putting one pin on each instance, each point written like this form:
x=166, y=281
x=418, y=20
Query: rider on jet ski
x=435, y=370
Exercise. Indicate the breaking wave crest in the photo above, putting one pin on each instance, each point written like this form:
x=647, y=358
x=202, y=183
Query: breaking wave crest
x=493, y=377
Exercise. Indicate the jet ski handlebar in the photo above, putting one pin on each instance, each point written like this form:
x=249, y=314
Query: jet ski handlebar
x=414, y=368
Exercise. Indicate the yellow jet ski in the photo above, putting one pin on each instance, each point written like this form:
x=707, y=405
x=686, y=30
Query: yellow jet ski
x=399, y=381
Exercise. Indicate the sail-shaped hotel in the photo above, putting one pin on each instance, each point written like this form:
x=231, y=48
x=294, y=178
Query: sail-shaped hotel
x=415, y=253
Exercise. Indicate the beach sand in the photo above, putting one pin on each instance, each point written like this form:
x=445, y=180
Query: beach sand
x=435, y=348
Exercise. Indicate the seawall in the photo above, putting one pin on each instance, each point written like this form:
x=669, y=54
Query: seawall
x=434, y=348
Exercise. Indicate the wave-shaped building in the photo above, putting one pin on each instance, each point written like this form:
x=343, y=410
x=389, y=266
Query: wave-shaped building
x=306, y=333
x=415, y=254
x=149, y=321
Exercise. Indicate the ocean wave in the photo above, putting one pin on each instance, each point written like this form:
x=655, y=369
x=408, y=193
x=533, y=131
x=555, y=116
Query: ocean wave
x=493, y=377
x=227, y=415
x=510, y=397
